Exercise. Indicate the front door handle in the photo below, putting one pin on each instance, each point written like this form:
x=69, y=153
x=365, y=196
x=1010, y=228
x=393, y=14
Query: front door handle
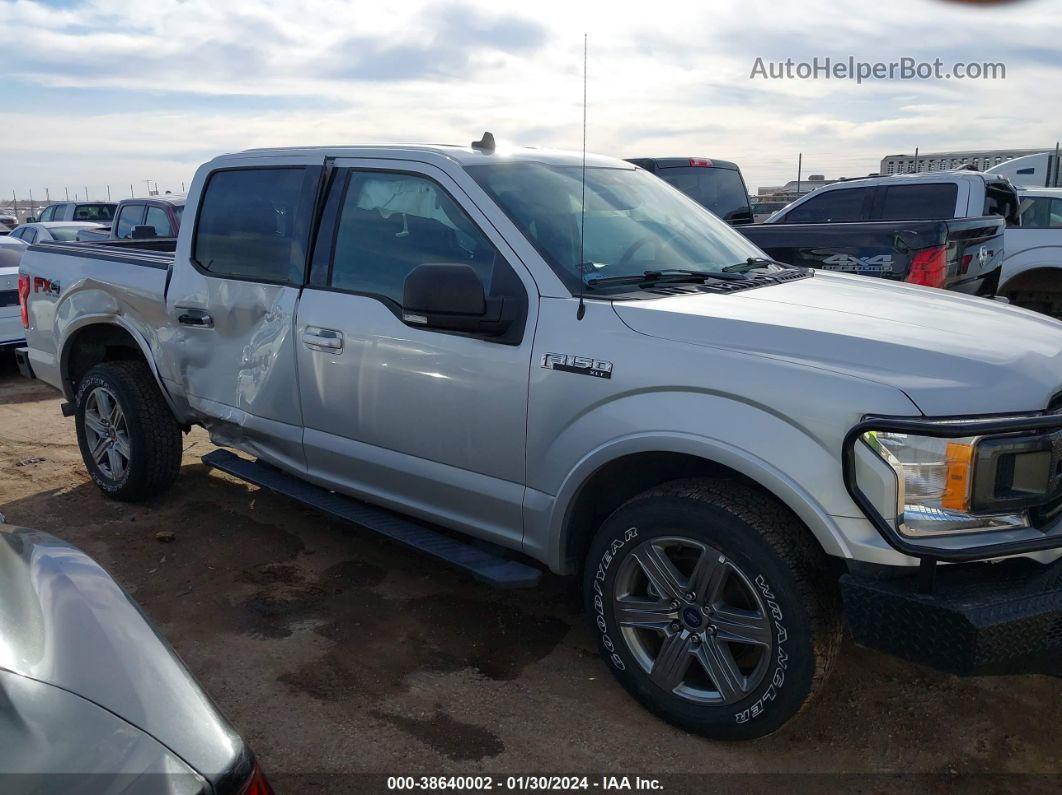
x=196, y=318
x=323, y=339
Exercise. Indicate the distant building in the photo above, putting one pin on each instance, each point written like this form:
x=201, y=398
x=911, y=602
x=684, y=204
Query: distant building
x=980, y=159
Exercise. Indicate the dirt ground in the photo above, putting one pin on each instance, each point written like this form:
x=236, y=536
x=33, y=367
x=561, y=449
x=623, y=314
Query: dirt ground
x=335, y=653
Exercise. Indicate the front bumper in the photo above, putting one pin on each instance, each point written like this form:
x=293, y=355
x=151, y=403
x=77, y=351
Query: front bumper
x=1046, y=535
x=982, y=618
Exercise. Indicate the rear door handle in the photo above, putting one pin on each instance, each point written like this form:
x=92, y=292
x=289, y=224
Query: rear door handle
x=323, y=339
x=196, y=318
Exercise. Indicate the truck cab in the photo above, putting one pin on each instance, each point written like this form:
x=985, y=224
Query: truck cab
x=714, y=184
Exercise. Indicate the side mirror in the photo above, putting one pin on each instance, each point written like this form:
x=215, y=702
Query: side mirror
x=30, y=219
x=143, y=232
x=449, y=296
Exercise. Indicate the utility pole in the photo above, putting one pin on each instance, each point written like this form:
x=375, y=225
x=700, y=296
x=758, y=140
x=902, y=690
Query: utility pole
x=47, y=196
x=916, y=168
x=131, y=194
x=67, y=193
x=182, y=184
x=108, y=193
x=33, y=209
x=800, y=168
x=86, y=193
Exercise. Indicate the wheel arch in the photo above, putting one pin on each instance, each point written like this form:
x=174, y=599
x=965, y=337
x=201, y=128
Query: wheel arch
x=102, y=338
x=636, y=464
x=1032, y=274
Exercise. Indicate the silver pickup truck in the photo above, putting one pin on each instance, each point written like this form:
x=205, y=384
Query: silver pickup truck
x=507, y=358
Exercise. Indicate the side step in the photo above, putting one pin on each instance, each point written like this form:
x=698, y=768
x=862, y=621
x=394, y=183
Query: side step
x=486, y=562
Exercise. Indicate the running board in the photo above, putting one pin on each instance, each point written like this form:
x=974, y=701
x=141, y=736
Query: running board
x=486, y=562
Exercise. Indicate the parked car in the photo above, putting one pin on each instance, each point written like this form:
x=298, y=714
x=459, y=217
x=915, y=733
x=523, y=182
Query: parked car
x=11, y=331
x=1032, y=264
x=158, y=216
x=50, y=231
x=943, y=229
x=99, y=212
x=719, y=445
x=715, y=184
x=94, y=698
x=8, y=221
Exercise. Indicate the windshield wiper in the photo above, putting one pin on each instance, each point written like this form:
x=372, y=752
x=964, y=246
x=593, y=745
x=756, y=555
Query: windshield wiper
x=649, y=278
x=753, y=263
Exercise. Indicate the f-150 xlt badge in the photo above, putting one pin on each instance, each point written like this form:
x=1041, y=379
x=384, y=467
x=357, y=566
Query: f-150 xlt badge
x=580, y=365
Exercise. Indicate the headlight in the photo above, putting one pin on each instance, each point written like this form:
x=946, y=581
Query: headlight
x=935, y=480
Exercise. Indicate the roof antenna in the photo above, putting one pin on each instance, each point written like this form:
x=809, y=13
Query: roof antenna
x=582, y=209
x=486, y=143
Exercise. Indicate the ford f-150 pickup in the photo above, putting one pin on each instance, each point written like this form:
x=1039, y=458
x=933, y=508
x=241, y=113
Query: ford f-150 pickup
x=943, y=229
x=504, y=358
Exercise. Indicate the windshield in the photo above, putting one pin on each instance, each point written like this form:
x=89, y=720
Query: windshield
x=634, y=221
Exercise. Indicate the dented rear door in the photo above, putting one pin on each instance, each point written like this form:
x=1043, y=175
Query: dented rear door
x=231, y=303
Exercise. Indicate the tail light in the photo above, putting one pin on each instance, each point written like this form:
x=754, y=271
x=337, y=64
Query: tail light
x=929, y=267
x=257, y=784
x=703, y=162
x=23, y=299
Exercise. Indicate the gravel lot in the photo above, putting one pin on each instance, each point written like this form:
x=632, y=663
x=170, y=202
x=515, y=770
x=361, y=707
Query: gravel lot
x=335, y=653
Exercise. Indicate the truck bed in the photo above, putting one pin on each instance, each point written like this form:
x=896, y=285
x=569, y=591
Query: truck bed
x=153, y=252
x=883, y=249
x=124, y=280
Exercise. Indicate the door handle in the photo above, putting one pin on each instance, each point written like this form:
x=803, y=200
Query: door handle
x=323, y=339
x=196, y=318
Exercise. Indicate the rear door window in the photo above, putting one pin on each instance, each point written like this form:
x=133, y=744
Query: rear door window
x=247, y=227
x=94, y=212
x=129, y=217
x=835, y=206
x=919, y=202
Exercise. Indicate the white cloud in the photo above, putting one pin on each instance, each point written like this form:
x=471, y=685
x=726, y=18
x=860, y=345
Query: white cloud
x=113, y=91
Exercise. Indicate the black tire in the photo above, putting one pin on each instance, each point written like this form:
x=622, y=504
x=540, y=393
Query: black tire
x=775, y=558
x=152, y=437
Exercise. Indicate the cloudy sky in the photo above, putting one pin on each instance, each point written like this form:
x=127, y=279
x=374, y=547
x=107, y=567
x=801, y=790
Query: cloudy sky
x=97, y=92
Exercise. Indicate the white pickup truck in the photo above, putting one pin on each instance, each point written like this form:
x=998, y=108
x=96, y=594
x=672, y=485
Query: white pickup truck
x=452, y=347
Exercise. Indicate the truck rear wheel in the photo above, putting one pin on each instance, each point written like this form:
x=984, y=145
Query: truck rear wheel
x=713, y=607
x=129, y=439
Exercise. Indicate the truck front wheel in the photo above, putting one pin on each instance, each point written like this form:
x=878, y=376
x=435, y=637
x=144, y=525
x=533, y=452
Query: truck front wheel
x=713, y=606
x=128, y=436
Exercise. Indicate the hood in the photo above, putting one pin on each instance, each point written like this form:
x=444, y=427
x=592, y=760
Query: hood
x=951, y=354
x=66, y=623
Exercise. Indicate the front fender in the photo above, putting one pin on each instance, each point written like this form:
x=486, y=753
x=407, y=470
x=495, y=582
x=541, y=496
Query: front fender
x=1030, y=259
x=799, y=499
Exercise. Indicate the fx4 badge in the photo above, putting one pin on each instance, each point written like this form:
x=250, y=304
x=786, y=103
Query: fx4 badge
x=580, y=365
x=849, y=263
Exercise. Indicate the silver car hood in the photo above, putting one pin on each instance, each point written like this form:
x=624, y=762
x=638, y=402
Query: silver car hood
x=66, y=623
x=951, y=354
